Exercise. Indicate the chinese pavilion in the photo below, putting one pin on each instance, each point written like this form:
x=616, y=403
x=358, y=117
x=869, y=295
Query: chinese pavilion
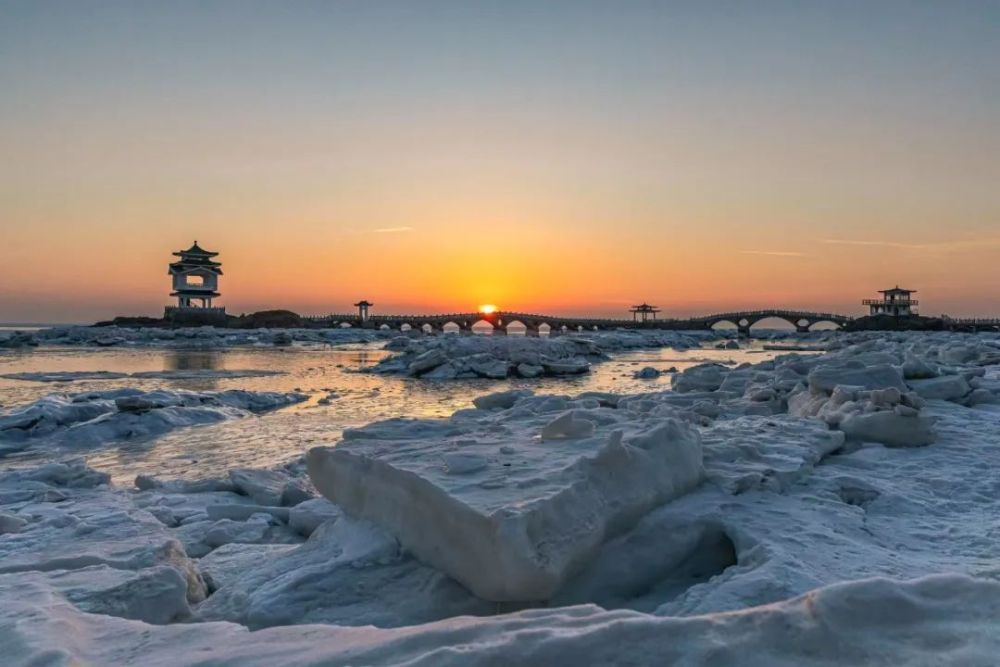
x=895, y=302
x=196, y=277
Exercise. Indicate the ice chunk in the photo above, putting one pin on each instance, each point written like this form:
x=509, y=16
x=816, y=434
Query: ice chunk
x=879, y=376
x=944, y=387
x=504, y=540
x=568, y=426
x=501, y=400
x=704, y=377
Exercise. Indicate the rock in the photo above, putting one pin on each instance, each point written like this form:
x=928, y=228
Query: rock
x=647, y=373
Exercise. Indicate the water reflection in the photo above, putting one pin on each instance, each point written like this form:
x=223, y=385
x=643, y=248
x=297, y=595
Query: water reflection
x=194, y=360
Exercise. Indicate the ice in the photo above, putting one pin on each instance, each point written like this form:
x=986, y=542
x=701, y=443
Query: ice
x=270, y=487
x=189, y=374
x=348, y=573
x=207, y=336
x=94, y=418
x=519, y=522
x=941, y=620
x=72, y=521
x=945, y=387
x=807, y=535
x=307, y=516
x=449, y=357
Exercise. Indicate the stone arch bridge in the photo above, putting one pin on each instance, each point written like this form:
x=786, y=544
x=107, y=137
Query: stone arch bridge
x=534, y=323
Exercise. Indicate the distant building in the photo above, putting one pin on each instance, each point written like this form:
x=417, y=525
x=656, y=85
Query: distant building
x=363, y=307
x=643, y=312
x=895, y=302
x=195, y=283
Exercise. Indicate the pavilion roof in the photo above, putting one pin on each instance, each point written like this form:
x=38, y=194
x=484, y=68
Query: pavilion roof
x=897, y=290
x=196, y=250
x=196, y=263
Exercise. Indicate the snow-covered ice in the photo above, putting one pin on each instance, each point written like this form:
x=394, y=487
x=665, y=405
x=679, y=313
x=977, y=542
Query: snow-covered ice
x=451, y=357
x=812, y=509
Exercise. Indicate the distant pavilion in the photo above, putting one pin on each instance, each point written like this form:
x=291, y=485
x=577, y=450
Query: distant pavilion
x=195, y=277
x=643, y=312
x=895, y=302
x=363, y=307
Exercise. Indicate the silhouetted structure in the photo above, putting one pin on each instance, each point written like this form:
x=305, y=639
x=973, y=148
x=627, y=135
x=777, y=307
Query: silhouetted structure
x=195, y=283
x=643, y=312
x=363, y=307
x=895, y=302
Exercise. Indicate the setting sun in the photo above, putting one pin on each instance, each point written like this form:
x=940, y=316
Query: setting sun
x=487, y=309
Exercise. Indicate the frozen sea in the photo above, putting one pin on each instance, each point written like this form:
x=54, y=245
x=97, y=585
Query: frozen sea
x=284, y=434
x=239, y=498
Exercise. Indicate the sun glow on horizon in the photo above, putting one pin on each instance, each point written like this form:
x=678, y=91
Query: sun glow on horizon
x=487, y=309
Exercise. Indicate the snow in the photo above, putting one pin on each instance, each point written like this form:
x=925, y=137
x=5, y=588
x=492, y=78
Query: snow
x=809, y=510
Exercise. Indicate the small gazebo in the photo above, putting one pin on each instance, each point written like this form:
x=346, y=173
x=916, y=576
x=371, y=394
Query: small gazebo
x=363, y=307
x=643, y=312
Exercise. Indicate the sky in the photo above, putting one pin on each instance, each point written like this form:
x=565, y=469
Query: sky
x=560, y=157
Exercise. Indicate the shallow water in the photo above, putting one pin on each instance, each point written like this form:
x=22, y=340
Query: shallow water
x=285, y=434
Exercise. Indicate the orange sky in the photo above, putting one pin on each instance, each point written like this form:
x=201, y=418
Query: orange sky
x=578, y=160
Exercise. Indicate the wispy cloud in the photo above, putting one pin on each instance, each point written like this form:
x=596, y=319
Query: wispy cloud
x=392, y=230
x=881, y=244
x=774, y=253
x=988, y=242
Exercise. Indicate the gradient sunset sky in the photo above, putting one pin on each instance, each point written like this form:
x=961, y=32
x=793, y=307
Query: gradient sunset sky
x=564, y=157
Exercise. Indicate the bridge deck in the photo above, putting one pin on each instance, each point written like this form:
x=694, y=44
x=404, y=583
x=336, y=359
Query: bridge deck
x=742, y=319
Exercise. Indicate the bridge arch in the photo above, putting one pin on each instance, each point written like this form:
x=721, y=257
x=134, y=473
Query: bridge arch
x=768, y=322
x=484, y=326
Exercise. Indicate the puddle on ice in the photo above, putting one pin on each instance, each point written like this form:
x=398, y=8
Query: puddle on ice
x=340, y=396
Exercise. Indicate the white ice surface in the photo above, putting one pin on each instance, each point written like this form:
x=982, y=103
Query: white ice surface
x=789, y=504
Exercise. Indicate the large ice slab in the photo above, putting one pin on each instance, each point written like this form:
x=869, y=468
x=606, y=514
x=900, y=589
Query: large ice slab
x=506, y=511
